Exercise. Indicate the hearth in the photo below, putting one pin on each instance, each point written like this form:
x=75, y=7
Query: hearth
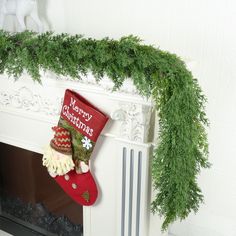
x=30, y=198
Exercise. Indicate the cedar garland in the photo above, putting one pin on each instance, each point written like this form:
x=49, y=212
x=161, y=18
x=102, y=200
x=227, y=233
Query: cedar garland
x=182, y=148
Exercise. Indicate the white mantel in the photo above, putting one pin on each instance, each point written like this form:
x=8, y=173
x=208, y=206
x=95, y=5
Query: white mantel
x=120, y=161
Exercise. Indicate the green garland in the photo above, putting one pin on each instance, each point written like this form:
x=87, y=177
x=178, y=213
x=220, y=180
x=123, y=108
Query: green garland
x=182, y=142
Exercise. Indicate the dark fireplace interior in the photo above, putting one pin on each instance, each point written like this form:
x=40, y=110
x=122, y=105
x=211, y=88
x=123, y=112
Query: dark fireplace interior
x=31, y=203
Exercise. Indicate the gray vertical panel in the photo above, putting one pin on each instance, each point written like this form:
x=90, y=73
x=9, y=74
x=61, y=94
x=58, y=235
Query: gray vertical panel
x=123, y=191
x=138, y=193
x=131, y=192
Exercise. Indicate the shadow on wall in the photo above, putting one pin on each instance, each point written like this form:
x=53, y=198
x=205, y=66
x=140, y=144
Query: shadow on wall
x=42, y=10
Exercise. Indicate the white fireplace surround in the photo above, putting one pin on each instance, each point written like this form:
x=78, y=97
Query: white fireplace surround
x=121, y=159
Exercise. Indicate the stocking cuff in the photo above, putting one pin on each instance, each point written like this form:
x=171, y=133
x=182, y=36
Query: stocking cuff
x=82, y=115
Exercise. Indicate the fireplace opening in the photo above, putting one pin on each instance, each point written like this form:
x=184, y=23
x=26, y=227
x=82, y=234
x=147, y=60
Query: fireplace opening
x=30, y=200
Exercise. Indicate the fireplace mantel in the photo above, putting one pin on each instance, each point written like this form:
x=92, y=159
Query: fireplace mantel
x=121, y=159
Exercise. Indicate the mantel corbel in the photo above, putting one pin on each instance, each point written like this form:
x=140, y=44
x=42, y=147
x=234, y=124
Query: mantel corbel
x=135, y=121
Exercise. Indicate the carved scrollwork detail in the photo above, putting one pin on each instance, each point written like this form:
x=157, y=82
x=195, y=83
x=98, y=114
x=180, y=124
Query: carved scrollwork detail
x=135, y=121
x=26, y=100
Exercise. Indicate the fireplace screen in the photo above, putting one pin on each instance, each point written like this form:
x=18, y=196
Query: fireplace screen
x=31, y=203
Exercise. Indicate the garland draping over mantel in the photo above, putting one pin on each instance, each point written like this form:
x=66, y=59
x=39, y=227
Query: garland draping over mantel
x=182, y=148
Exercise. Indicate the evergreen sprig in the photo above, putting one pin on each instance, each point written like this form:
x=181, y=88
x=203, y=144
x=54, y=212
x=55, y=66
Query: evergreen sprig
x=182, y=148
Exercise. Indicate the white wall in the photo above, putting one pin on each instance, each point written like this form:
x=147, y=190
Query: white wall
x=203, y=31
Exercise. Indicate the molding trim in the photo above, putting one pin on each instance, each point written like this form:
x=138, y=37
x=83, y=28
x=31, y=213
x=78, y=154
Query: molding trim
x=26, y=100
x=105, y=83
x=135, y=121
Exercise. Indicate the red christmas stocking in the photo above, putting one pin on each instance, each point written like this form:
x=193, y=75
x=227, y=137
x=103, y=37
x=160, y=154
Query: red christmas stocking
x=84, y=123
